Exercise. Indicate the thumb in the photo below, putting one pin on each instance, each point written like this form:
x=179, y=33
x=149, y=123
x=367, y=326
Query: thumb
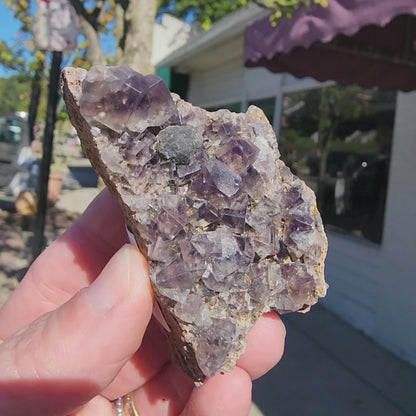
x=66, y=357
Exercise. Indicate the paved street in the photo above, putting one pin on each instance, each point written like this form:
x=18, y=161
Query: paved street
x=331, y=369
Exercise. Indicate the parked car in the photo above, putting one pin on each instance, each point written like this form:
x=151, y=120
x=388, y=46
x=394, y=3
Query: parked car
x=14, y=136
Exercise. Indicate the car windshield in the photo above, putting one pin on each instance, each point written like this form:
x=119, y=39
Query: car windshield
x=10, y=130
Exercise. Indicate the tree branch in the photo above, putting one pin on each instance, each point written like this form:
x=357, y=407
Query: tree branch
x=140, y=18
x=99, y=9
x=82, y=12
x=119, y=29
x=95, y=53
x=261, y=3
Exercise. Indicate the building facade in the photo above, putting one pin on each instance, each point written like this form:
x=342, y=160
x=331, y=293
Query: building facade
x=366, y=186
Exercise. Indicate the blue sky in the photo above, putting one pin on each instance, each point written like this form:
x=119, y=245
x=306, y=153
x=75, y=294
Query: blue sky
x=9, y=28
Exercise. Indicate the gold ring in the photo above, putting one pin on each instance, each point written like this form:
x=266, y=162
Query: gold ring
x=125, y=406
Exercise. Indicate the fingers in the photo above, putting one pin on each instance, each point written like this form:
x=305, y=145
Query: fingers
x=265, y=346
x=166, y=394
x=98, y=406
x=151, y=357
x=172, y=393
x=221, y=395
x=69, y=264
x=68, y=356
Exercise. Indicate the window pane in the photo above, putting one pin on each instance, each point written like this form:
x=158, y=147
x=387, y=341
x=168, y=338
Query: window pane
x=338, y=139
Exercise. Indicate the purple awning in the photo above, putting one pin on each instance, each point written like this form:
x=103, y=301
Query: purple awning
x=367, y=42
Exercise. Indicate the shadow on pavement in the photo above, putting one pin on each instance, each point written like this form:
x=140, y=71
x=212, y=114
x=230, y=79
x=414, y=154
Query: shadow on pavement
x=331, y=369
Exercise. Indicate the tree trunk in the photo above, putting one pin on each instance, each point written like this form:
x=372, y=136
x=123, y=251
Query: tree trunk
x=322, y=169
x=95, y=53
x=138, y=28
x=328, y=124
x=120, y=29
x=34, y=102
x=43, y=180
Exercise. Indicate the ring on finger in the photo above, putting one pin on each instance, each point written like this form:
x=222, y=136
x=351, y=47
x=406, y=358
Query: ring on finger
x=125, y=406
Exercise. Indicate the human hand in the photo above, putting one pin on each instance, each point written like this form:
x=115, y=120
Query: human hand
x=78, y=332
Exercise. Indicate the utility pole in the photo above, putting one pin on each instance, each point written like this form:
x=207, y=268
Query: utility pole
x=43, y=181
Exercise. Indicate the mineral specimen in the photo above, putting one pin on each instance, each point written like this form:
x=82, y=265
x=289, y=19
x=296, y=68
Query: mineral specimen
x=230, y=233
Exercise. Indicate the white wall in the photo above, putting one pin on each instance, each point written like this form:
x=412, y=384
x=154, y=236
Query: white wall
x=260, y=83
x=352, y=270
x=168, y=34
x=220, y=85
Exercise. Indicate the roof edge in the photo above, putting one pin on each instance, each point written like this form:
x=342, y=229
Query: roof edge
x=224, y=29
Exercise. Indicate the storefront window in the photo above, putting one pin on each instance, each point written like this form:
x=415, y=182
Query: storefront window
x=338, y=139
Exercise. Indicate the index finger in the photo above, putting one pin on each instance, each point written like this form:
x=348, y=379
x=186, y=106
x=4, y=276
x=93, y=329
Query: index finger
x=69, y=264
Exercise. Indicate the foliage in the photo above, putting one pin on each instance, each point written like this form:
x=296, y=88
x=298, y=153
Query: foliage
x=327, y=113
x=21, y=12
x=9, y=57
x=12, y=57
x=286, y=8
x=205, y=12
x=208, y=11
x=334, y=103
x=15, y=93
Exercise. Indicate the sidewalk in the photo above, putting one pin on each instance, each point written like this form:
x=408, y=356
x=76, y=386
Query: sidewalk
x=329, y=369
x=79, y=188
x=76, y=200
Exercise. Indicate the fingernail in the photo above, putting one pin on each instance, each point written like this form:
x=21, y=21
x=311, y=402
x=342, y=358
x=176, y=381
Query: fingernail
x=113, y=284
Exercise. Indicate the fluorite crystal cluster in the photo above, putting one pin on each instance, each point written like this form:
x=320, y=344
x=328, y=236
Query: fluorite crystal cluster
x=229, y=231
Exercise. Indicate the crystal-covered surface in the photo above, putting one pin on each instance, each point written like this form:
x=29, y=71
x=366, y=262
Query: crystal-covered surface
x=229, y=231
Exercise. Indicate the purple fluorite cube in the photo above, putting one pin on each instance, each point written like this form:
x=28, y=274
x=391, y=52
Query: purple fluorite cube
x=123, y=100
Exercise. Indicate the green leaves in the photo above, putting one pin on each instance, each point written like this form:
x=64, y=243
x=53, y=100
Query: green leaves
x=205, y=12
x=21, y=12
x=6, y=56
x=10, y=57
x=14, y=93
x=286, y=8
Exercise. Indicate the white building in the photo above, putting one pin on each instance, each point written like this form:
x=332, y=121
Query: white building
x=169, y=34
x=372, y=284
